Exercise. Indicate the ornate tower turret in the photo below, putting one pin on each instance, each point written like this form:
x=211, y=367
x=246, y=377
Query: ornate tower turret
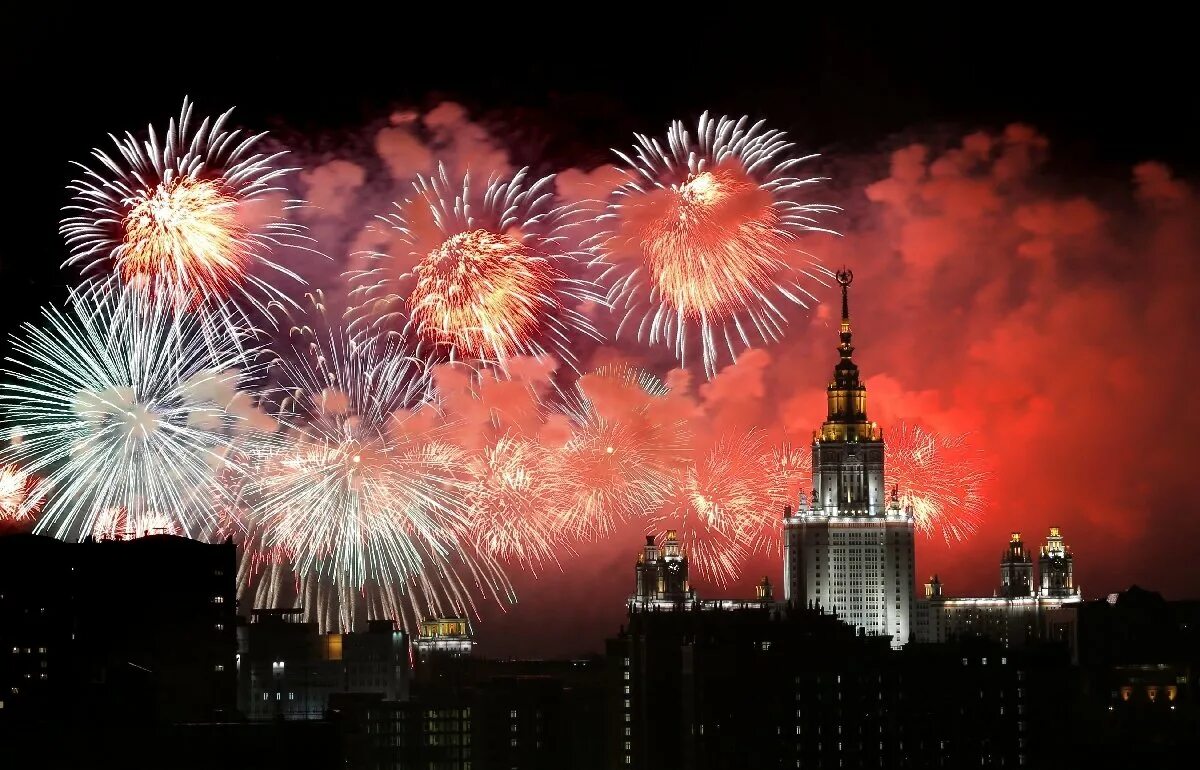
x=1016, y=570
x=1056, y=567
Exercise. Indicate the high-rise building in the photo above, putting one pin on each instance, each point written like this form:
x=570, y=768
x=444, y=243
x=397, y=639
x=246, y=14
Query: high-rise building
x=849, y=547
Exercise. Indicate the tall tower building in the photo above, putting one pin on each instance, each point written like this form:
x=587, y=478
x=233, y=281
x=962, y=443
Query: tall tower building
x=1016, y=570
x=1056, y=567
x=849, y=549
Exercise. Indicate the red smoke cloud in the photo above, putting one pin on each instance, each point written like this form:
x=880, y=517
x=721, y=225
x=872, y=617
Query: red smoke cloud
x=1050, y=320
x=1052, y=323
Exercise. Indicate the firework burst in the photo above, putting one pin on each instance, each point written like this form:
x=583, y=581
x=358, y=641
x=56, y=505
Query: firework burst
x=363, y=496
x=512, y=490
x=477, y=275
x=181, y=217
x=116, y=399
x=940, y=477
x=723, y=505
x=700, y=240
x=622, y=456
x=15, y=501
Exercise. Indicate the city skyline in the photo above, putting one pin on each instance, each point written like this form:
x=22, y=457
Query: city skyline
x=1022, y=278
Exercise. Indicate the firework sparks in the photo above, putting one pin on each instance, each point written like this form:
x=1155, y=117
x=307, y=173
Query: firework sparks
x=700, y=239
x=482, y=277
x=940, y=477
x=115, y=397
x=117, y=524
x=177, y=217
x=621, y=457
x=15, y=502
x=512, y=490
x=363, y=495
x=724, y=504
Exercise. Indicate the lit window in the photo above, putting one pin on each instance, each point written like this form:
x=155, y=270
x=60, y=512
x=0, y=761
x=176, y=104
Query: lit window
x=42, y=650
x=219, y=667
x=626, y=703
x=626, y=676
x=291, y=696
x=266, y=696
x=628, y=731
x=218, y=600
x=627, y=745
x=220, y=626
x=626, y=689
x=512, y=714
x=512, y=742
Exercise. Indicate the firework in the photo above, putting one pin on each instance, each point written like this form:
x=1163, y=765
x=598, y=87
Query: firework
x=940, y=477
x=363, y=495
x=477, y=275
x=723, y=505
x=621, y=457
x=117, y=399
x=700, y=240
x=512, y=490
x=180, y=216
x=15, y=502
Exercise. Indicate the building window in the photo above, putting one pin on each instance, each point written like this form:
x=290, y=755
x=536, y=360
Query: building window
x=219, y=667
x=220, y=626
x=626, y=689
x=512, y=742
x=218, y=600
x=291, y=696
x=266, y=695
x=512, y=714
x=627, y=745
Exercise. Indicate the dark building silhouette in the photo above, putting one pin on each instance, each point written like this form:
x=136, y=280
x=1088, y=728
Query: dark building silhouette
x=465, y=712
x=1140, y=657
x=287, y=669
x=720, y=684
x=119, y=629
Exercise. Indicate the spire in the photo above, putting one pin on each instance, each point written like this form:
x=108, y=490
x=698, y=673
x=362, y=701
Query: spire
x=847, y=416
x=846, y=372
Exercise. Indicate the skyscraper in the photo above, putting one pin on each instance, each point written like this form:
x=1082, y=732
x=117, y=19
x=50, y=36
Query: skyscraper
x=849, y=548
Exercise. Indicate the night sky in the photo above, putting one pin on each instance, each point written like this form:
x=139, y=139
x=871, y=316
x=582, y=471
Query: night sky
x=1019, y=202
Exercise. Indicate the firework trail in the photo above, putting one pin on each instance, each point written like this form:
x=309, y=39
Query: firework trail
x=182, y=217
x=15, y=502
x=700, y=239
x=512, y=491
x=363, y=494
x=621, y=458
x=723, y=505
x=114, y=398
x=477, y=275
x=941, y=477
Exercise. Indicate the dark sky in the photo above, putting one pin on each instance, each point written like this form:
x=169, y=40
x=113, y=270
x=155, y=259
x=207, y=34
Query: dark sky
x=1008, y=313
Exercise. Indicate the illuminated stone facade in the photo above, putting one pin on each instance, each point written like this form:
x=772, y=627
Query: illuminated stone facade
x=1020, y=612
x=849, y=547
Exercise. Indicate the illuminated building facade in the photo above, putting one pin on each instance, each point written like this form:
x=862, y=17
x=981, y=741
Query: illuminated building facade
x=289, y=670
x=848, y=548
x=1021, y=611
x=444, y=637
